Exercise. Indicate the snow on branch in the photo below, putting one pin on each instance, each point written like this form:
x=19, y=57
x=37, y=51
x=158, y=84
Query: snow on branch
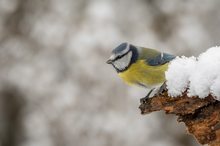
x=193, y=94
x=201, y=76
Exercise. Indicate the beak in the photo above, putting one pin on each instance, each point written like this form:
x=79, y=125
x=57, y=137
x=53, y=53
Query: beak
x=109, y=61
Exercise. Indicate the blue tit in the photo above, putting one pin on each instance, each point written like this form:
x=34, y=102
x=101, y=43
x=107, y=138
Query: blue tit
x=141, y=66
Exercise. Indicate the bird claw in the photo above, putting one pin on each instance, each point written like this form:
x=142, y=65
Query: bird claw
x=143, y=100
x=161, y=90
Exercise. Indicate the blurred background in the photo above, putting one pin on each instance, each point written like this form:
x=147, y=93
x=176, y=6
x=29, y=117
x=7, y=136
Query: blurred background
x=57, y=90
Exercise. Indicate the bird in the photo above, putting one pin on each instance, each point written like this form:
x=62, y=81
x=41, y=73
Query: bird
x=141, y=66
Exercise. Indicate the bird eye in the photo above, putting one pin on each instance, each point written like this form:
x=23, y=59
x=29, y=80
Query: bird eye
x=119, y=56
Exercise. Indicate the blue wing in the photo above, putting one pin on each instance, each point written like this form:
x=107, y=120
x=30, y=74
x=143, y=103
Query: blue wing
x=160, y=59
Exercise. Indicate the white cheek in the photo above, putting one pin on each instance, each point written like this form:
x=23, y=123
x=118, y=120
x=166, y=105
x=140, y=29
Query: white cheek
x=123, y=62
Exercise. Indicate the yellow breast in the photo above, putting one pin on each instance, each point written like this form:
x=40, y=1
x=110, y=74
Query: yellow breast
x=143, y=74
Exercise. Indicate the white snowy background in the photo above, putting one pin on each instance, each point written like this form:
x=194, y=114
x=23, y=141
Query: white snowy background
x=57, y=90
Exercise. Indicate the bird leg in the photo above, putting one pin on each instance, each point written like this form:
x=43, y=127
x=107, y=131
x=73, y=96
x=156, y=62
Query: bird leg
x=161, y=89
x=143, y=100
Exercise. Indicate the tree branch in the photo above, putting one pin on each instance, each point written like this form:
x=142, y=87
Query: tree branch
x=201, y=116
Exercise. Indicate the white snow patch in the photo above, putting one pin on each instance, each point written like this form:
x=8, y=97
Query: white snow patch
x=201, y=76
x=178, y=74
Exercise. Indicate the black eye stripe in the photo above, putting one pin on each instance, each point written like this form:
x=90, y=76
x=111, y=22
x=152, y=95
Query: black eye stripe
x=119, y=57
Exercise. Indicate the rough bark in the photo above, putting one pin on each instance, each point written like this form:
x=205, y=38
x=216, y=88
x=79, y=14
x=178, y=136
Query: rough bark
x=201, y=116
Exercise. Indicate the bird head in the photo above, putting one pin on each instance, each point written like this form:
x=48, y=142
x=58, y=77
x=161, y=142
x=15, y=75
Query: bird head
x=123, y=56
